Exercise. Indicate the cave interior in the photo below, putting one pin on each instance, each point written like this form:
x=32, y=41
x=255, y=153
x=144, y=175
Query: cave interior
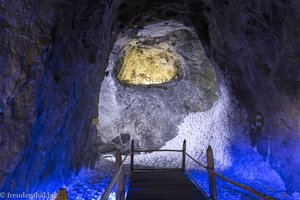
x=82, y=79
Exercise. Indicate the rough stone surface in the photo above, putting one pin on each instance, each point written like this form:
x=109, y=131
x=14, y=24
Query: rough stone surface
x=249, y=42
x=25, y=37
x=52, y=59
x=150, y=114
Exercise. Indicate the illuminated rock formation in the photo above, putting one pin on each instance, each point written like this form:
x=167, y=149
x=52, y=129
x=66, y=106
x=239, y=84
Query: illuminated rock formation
x=149, y=66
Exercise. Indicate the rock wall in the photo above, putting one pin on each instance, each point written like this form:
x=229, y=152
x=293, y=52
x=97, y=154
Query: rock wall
x=26, y=35
x=256, y=46
x=54, y=59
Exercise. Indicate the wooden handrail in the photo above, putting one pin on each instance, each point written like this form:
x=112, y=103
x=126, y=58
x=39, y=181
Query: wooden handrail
x=154, y=150
x=249, y=189
x=183, y=151
x=113, y=181
x=196, y=161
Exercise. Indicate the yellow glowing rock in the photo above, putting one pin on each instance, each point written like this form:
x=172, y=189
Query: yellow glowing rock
x=149, y=66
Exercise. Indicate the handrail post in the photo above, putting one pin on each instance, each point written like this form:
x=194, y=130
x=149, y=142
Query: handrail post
x=132, y=156
x=62, y=194
x=120, y=192
x=183, y=154
x=212, y=177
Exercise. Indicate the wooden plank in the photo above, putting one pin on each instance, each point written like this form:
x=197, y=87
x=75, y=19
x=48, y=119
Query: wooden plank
x=120, y=189
x=211, y=176
x=183, y=154
x=156, y=150
x=132, y=156
x=146, y=168
x=168, y=185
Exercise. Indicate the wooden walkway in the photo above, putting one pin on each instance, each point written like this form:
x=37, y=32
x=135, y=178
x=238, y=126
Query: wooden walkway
x=167, y=184
x=163, y=185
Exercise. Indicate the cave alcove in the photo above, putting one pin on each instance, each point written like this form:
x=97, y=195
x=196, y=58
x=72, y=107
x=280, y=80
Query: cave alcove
x=137, y=105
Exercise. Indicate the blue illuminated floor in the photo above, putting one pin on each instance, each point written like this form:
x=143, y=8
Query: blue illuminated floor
x=249, y=169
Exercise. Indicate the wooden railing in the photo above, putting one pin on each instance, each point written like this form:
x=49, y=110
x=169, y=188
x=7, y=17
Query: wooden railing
x=117, y=179
x=120, y=187
x=212, y=177
x=133, y=151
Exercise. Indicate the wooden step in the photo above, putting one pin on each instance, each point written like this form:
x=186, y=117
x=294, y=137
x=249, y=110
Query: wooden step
x=163, y=185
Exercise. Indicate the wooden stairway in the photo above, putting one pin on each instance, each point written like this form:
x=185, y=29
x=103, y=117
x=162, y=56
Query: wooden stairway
x=163, y=185
x=167, y=184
